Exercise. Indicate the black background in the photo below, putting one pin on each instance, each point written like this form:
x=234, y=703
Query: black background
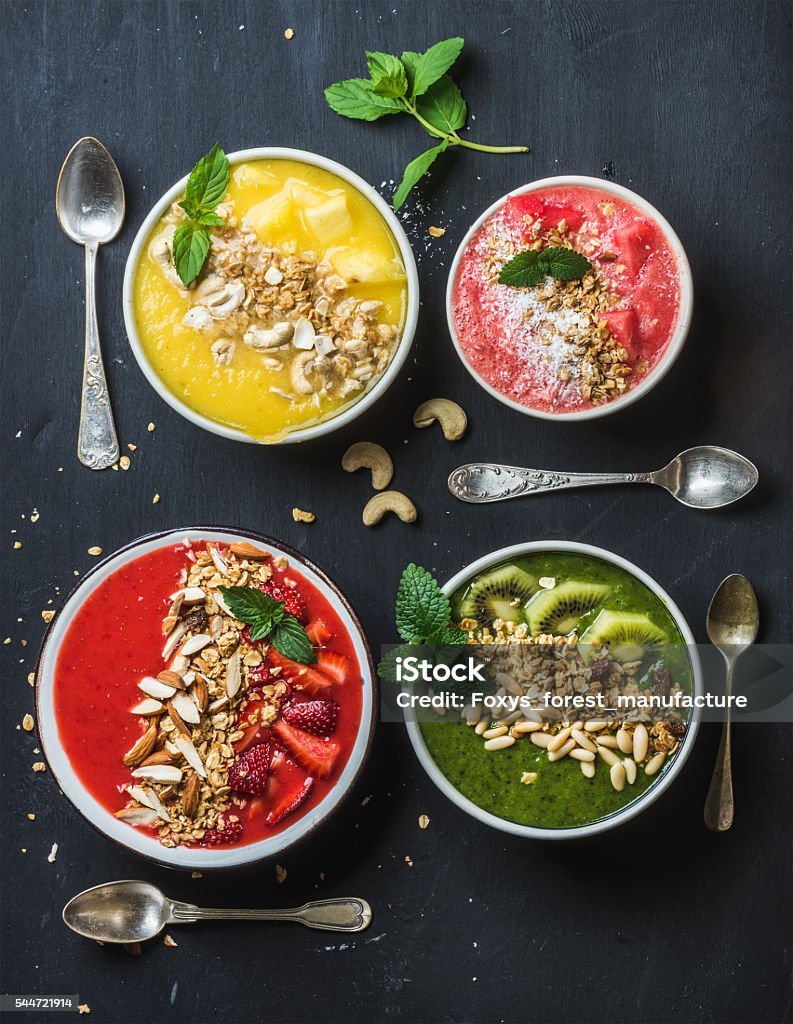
x=687, y=103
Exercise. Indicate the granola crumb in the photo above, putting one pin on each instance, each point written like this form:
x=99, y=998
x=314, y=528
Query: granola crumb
x=528, y=777
x=289, y=33
x=436, y=232
x=366, y=800
x=48, y=614
x=17, y=545
x=39, y=766
x=31, y=816
x=35, y=515
x=155, y=500
x=423, y=821
x=408, y=860
x=132, y=447
x=125, y=462
x=83, y=1008
x=31, y=678
x=151, y=428
x=197, y=874
x=169, y=942
x=300, y=516
x=27, y=723
x=280, y=873
x=53, y=853
x=95, y=550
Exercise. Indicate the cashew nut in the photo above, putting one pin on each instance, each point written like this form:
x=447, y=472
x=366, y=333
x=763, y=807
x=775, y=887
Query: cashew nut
x=367, y=455
x=268, y=337
x=389, y=501
x=451, y=417
x=161, y=251
x=221, y=297
x=302, y=366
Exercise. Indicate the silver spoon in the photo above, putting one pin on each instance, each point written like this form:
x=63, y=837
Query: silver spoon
x=733, y=621
x=89, y=201
x=704, y=477
x=136, y=911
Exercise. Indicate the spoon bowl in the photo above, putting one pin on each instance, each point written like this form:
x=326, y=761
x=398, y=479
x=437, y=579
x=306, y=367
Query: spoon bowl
x=89, y=198
x=708, y=477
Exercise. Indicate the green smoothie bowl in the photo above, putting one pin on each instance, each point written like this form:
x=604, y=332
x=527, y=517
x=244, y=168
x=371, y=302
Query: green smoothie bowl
x=589, y=709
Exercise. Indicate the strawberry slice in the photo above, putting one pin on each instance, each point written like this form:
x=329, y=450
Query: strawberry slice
x=334, y=665
x=249, y=772
x=318, y=632
x=314, y=755
x=290, y=801
x=292, y=603
x=315, y=716
x=310, y=679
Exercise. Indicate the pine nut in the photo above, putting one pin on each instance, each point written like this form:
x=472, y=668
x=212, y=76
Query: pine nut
x=480, y=727
x=617, y=776
x=559, y=739
x=494, y=733
x=608, y=755
x=541, y=739
x=519, y=728
x=606, y=741
x=595, y=725
x=576, y=725
x=624, y=741
x=510, y=685
x=560, y=752
x=588, y=769
x=654, y=763
x=499, y=742
x=630, y=770
x=641, y=743
x=583, y=740
x=582, y=755
x=472, y=714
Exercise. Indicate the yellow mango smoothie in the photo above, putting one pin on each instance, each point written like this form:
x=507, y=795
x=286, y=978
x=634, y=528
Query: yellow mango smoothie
x=296, y=313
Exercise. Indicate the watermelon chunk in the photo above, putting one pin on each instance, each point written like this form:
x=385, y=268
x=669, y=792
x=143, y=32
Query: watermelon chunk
x=624, y=325
x=632, y=245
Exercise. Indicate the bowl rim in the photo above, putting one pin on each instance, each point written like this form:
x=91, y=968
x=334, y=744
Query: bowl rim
x=685, y=312
x=641, y=802
x=397, y=359
x=130, y=839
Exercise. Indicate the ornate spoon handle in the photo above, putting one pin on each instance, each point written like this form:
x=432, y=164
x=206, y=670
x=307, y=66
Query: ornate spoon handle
x=480, y=482
x=342, y=915
x=97, y=444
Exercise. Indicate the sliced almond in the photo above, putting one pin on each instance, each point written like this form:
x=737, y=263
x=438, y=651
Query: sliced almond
x=190, y=754
x=154, y=688
x=147, y=707
x=195, y=644
x=190, y=796
x=215, y=626
x=158, y=757
x=304, y=335
x=174, y=637
x=167, y=774
x=171, y=678
x=186, y=707
x=217, y=558
x=178, y=721
x=233, y=676
x=200, y=693
x=248, y=551
x=149, y=798
x=189, y=595
x=179, y=664
x=141, y=750
x=216, y=705
x=137, y=815
x=168, y=623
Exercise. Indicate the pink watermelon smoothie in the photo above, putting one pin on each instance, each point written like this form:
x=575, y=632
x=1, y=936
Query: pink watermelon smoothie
x=566, y=347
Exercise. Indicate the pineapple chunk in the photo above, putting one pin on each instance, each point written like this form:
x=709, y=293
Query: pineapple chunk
x=305, y=195
x=329, y=219
x=365, y=267
x=270, y=217
x=253, y=176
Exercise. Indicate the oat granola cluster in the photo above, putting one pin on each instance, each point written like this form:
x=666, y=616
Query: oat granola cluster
x=201, y=704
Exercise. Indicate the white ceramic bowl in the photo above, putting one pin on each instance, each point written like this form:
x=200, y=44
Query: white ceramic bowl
x=685, y=312
x=136, y=840
x=665, y=779
x=397, y=359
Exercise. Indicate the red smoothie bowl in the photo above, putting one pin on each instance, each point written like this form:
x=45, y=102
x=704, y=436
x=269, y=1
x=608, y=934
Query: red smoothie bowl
x=172, y=717
x=571, y=349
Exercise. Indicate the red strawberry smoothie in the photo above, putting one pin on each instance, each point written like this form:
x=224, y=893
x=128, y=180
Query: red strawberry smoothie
x=565, y=347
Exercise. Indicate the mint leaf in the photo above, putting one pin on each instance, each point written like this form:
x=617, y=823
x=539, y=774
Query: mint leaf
x=387, y=668
x=289, y=637
x=422, y=609
x=357, y=99
x=409, y=61
x=388, y=74
x=415, y=170
x=209, y=219
x=564, y=264
x=428, y=67
x=443, y=106
x=523, y=270
x=190, y=250
x=259, y=611
x=450, y=635
x=207, y=184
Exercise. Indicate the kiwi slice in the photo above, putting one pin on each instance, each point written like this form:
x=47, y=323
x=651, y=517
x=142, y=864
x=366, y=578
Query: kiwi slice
x=498, y=594
x=628, y=634
x=559, y=609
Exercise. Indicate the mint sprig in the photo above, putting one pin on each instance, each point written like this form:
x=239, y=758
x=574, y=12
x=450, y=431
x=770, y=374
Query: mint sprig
x=415, y=84
x=531, y=267
x=205, y=188
x=423, y=615
x=268, y=619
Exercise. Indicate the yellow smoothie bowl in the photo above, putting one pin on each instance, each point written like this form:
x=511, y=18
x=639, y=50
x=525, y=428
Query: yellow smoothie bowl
x=302, y=315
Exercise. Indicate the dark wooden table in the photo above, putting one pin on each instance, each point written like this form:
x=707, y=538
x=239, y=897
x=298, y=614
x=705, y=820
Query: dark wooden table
x=689, y=104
